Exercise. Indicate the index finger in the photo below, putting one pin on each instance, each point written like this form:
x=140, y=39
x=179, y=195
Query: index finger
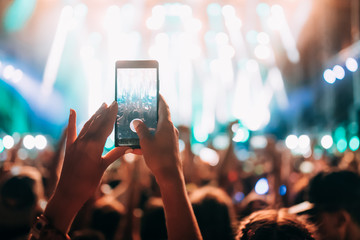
x=164, y=111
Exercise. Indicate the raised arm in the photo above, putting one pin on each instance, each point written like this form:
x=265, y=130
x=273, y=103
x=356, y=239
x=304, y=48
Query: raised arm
x=161, y=153
x=81, y=172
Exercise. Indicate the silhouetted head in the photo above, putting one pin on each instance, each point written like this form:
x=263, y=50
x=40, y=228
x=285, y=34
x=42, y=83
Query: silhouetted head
x=274, y=225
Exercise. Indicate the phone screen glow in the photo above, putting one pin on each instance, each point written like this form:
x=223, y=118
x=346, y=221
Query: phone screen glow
x=137, y=98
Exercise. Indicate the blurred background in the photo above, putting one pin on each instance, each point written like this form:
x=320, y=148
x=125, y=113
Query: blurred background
x=254, y=68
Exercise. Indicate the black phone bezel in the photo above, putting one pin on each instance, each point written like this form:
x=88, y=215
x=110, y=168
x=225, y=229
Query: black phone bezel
x=134, y=142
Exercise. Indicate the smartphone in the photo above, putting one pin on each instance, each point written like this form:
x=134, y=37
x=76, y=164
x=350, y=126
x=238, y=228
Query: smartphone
x=137, y=95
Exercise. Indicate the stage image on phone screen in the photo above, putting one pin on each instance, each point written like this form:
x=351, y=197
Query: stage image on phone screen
x=137, y=99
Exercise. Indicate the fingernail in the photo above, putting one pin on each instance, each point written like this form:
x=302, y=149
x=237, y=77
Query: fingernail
x=113, y=104
x=129, y=151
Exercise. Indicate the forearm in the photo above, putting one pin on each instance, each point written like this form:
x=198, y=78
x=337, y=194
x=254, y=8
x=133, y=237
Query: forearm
x=180, y=219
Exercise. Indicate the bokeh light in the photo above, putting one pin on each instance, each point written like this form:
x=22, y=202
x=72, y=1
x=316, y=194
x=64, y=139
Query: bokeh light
x=8, y=141
x=282, y=190
x=329, y=76
x=291, y=141
x=341, y=145
x=1, y=146
x=29, y=142
x=351, y=64
x=326, y=141
x=209, y=156
x=262, y=186
x=339, y=72
x=354, y=143
x=40, y=142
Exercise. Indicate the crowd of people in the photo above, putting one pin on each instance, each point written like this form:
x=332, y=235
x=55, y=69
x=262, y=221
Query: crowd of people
x=160, y=192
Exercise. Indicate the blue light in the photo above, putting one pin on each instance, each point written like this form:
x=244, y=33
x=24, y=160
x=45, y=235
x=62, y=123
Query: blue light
x=238, y=197
x=262, y=186
x=282, y=190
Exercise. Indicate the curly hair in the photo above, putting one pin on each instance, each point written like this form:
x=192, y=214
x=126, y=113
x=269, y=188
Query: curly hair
x=275, y=224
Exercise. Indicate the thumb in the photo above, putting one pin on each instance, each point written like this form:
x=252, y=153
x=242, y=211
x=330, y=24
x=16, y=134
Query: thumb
x=142, y=130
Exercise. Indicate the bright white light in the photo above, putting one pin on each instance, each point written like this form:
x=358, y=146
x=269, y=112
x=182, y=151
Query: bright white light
x=262, y=52
x=130, y=158
x=257, y=118
x=87, y=52
x=40, y=142
x=339, y=72
x=228, y=10
x=258, y=142
x=263, y=38
x=351, y=64
x=262, y=186
x=29, y=142
x=326, y=141
x=8, y=142
x=17, y=76
x=241, y=135
x=200, y=134
x=329, y=76
x=155, y=22
x=222, y=38
x=291, y=141
x=277, y=10
x=304, y=141
x=252, y=66
x=8, y=72
x=209, y=156
x=306, y=167
x=158, y=10
x=226, y=52
x=57, y=47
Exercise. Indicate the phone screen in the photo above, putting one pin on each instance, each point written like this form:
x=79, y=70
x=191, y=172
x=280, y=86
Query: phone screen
x=136, y=92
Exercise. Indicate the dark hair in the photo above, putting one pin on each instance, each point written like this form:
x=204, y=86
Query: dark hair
x=17, y=192
x=214, y=213
x=274, y=224
x=332, y=191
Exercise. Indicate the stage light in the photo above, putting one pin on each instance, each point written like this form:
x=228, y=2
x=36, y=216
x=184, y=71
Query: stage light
x=291, y=142
x=228, y=11
x=29, y=142
x=40, y=142
x=209, y=156
x=8, y=142
x=262, y=186
x=339, y=72
x=282, y=190
x=304, y=141
x=155, y=22
x=263, y=38
x=257, y=118
x=221, y=38
x=241, y=135
x=329, y=76
x=354, y=143
x=200, y=134
x=8, y=72
x=221, y=142
x=196, y=148
x=252, y=66
x=262, y=52
x=158, y=10
x=17, y=76
x=351, y=64
x=2, y=147
x=326, y=141
x=226, y=52
x=258, y=142
x=341, y=145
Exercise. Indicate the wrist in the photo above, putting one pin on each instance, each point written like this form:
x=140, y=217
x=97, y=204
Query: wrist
x=61, y=210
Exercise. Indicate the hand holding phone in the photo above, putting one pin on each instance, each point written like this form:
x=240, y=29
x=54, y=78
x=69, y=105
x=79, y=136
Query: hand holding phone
x=136, y=92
